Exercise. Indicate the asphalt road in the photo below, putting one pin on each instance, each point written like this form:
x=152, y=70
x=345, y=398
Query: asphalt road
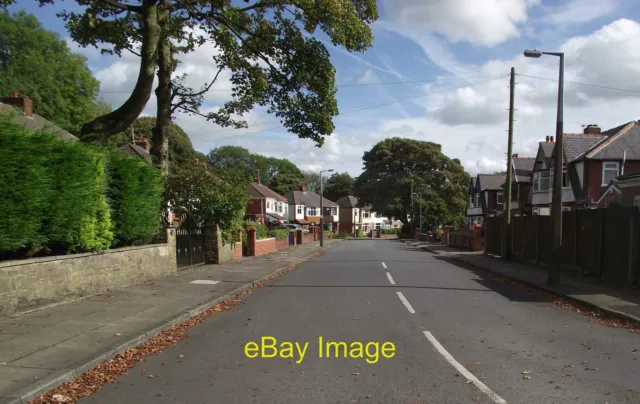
x=458, y=339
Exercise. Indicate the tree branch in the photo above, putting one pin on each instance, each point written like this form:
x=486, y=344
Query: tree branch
x=179, y=94
x=122, y=6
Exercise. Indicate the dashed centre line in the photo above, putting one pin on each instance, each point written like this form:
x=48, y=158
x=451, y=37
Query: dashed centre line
x=384, y=265
x=406, y=303
x=390, y=279
x=463, y=371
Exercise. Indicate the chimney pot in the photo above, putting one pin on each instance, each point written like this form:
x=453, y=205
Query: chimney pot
x=256, y=180
x=592, y=129
x=303, y=188
x=143, y=142
x=551, y=139
x=14, y=94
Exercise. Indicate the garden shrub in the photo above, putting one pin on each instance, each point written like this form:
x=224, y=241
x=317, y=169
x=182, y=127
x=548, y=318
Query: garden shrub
x=279, y=234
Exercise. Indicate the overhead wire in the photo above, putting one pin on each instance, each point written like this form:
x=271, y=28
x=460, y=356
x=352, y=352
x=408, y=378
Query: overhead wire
x=582, y=84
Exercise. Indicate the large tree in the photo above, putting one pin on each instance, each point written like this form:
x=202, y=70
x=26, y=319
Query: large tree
x=338, y=185
x=393, y=165
x=273, y=62
x=35, y=62
x=312, y=180
x=181, y=150
x=241, y=162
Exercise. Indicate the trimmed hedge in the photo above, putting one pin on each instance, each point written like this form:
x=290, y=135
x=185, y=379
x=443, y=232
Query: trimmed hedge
x=391, y=231
x=135, y=196
x=52, y=193
x=63, y=197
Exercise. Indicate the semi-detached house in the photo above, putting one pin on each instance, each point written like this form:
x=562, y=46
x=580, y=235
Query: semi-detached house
x=485, y=197
x=266, y=206
x=304, y=209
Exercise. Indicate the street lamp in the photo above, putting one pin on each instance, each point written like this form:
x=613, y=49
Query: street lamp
x=322, y=207
x=556, y=198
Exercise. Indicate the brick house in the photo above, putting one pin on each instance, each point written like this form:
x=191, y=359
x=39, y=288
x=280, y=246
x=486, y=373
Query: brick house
x=266, y=206
x=624, y=190
x=139, y=148
x=591, y=170
x=304, y=209
x=485, y=197
x=362, y=217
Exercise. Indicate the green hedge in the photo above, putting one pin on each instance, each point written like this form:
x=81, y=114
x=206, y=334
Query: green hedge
x=135, y=196
x=279, y=234
x=391, y=231
x=52, y=193
x=61, y=197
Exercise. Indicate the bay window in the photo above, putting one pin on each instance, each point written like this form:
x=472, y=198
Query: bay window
x=312, y=211
x=541, y=181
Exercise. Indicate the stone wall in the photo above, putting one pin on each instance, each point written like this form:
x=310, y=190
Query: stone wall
x=31, y=283
x=228, y=252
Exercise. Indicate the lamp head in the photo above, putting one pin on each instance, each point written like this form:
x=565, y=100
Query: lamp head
x=532, y=53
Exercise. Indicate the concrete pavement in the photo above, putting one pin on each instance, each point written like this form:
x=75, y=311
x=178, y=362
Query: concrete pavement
x=41, y=349
x=623, y=303
x=457, y=337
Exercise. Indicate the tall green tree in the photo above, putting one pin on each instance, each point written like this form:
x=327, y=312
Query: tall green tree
x=283, y=183
x=312, y=181
x=338, y=185
x=35, y=62
x=241, y=162
x=181, y=150
x=265, y=44
x=393, y=164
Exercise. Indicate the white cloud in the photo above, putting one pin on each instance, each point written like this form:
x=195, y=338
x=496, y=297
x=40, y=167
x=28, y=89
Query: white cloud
x=579, y=11
x=480, y=22
x=369, y=77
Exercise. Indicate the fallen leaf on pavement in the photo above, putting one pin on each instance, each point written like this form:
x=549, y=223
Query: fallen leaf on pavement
x=355, y=374
x=585, y=362
x=118, y=334
x=150, y=376
x=181, y=356
x=476, y=399
x=526, y=372
x=526, y=377
x=62, y=399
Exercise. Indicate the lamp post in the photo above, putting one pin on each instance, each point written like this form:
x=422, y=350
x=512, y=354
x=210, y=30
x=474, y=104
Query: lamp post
x=322, y=207
x=556, y=198
x=419, y=196
x=355, y=219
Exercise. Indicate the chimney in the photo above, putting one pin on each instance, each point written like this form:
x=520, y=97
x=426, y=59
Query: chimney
x=592, y=129
x=551, y=139
x=256, y=179
x=303, y=188
x=21, y=101
x=547, y=139
x=143, y=142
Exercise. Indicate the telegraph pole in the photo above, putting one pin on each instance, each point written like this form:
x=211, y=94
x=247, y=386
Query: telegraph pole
x=507, y=202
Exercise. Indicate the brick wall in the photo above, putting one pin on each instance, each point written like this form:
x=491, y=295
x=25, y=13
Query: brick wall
x=307, y=238
x=265, y=246
x=282, y=244
x=31, y=283
x=256, y=207
x=237, y=251
x=389, y=236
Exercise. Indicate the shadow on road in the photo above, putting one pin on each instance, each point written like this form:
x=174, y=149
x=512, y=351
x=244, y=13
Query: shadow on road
x=379, y=286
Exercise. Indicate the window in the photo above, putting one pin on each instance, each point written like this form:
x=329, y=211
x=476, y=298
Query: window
x=312, y=211
x=279, y=208
x=609, y=172
x=365, y=214
x=565, y=179
x=377, y=226
x=299, y=209
x=268, y=204
x=500, y=197
x=541, y=181
x=514, y=192
x=334, y=211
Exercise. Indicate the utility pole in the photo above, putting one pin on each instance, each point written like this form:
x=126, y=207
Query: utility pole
x=506, y=220
x=133, y=137
x=412, y=215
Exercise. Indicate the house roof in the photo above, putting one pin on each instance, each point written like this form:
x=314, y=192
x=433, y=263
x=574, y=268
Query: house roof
x=523, y=167
x=260, y=191
x=547, y=150
x=491, y=182
x=348, y=201
x=625, y=138
x=308, y=198
x=36, y=122
x=576, y=145
x=136, y=151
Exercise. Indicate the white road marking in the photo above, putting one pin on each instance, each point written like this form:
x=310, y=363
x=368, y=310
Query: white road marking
x=204, y=282
x=463, y=371
x=390, y=278
x=406, y=302
x=384, y=265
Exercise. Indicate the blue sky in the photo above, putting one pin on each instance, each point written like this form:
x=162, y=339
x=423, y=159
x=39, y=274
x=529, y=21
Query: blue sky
x=437, y=72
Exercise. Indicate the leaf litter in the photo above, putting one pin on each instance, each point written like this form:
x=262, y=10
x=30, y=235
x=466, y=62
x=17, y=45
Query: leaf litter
x=110, y=370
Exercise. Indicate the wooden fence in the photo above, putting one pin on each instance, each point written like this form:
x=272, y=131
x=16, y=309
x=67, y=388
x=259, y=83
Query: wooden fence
x=603, y=243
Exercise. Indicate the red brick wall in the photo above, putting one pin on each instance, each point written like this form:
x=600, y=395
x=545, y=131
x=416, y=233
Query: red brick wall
x=282, y=244
x=389, y=236
x=237, y=251
x=265, y=246
x=256, y=207
x=492, y=204
x=593, y=169
x=307, y=238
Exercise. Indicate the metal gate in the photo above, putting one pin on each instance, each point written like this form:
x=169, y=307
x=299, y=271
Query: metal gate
x=189, y=244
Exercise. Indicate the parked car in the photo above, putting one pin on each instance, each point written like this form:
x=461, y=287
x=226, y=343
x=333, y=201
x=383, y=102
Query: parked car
x=294, y=227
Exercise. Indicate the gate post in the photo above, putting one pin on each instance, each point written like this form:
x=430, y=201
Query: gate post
x=299, y=236
x=171, y=243
x=212, y=242
x=251, y=241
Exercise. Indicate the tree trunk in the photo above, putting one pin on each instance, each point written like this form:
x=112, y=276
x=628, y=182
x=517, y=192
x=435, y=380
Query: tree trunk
x=105, y=126
x=160, y=133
